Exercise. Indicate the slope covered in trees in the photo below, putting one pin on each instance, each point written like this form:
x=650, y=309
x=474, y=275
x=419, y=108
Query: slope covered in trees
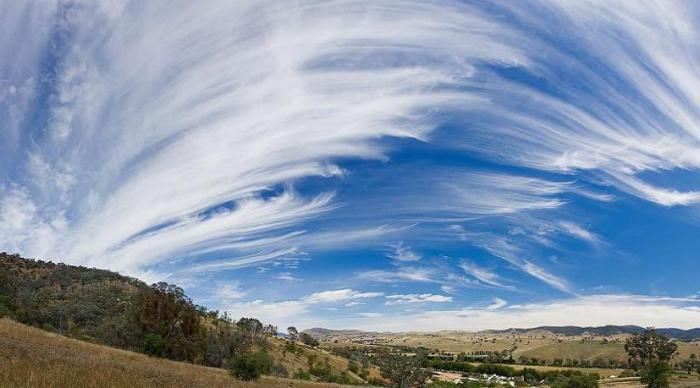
x=160, y=320
x=115, y=310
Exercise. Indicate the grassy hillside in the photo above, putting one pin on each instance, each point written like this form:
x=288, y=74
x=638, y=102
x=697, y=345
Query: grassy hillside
x=106, y=308
x=37, y=358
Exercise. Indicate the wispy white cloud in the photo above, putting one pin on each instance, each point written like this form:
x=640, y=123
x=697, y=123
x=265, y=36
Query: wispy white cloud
x=403, y=253
x=505, y=249
x=484, y=275
x=397, y=299
x=407, y=273
x=497, y=303
x=246, y=261
x=287, y=276
x=579, y=232
x=339, y=296
x=157, y=136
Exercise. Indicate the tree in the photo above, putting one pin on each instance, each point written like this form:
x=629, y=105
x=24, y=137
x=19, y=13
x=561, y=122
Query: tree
x=251, y=326
x=250, y=366
x=403, y=371
x=164, y=309
x=650, y=353
x=308, y=340
x=655, y=374
x=153, y=345
x=293, y=333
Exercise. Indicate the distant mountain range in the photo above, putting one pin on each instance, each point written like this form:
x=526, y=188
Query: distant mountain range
x=607, y=330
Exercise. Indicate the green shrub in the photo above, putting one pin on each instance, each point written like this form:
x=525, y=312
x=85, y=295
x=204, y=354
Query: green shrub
x=48, y=327
x=353, y=366
x=250, y=366
x=443, y=384
x=655, y=374
x=576, y=381
x=153, y=345
x=308, y=340
x=279, y=371
x=302, y=375
x=4, y=311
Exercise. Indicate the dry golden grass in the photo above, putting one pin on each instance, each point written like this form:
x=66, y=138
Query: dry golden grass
x=33, y=358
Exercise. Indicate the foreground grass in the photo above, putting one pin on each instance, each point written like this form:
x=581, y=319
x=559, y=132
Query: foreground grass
x=34, y=358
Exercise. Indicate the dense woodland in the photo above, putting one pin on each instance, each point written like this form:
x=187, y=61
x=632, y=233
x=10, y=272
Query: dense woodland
x=108, y=308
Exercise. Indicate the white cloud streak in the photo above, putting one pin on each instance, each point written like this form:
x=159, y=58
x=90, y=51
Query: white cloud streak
x=497, y=304
x=484, y=275
x=407, y=273
x=339, y=296
x=403, y=253
x=399, y=299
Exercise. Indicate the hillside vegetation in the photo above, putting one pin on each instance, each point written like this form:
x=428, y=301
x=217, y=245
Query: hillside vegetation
x=40, y=359
x=106, y=308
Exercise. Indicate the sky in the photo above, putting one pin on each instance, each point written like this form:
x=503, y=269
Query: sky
x=380, y=165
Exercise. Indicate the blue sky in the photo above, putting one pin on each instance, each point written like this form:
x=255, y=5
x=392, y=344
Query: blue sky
x=385, y=165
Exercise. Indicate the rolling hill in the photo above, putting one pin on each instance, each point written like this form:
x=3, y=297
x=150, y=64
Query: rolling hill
x=607, y=330
x=106, y=308
x=36, y=358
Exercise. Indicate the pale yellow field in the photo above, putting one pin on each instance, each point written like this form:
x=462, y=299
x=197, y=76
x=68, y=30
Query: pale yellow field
x=541, y=345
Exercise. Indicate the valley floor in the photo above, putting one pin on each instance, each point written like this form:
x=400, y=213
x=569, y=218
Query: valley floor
x=35, y=358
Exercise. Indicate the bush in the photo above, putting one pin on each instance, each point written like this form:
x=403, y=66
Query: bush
x=279, y=371
x=308, y=340
x=4, y=311
x=153, y=345
x=48, y=327
x=655, y=374
x=353, y=367
x=576, y=381
x=302, y=375
x=250, y=366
